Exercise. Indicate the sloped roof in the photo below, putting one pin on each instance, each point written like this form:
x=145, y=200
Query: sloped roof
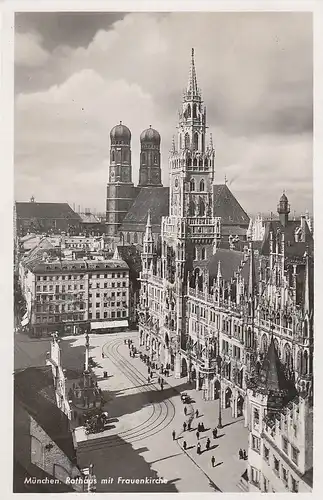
x=57, y=266
x=227, y=207
x=271, y=375
x=30, y=210
x=34, y=390
x=230, y=261
x=88, y=218
x=155, y=199
x=292, y=248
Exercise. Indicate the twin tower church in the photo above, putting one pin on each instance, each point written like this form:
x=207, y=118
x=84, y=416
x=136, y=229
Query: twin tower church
x=192, y=191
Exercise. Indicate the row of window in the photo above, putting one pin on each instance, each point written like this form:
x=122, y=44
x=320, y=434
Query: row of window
x=58, y=308
x=112, y=304
x=81, y=276
x=114, y=314
x=256, y=475
x=58, y=289
x=105, y=295
x=113, y=284
x=60, y=297
x=59, y=318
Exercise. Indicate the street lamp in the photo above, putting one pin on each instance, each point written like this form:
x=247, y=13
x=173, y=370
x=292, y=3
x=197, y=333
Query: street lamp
x=219, y=363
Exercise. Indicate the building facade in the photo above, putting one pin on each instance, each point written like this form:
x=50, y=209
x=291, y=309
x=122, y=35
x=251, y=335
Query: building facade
x=213, y=314
x=66, y=295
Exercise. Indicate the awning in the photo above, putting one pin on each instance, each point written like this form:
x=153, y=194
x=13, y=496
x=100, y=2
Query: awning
x=101, y=325
x=25, y=321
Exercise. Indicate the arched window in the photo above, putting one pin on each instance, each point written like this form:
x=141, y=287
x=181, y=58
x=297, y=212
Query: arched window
x=196, y=140
x=277, y=347
x=195, y=162
x=191, y=208
x=192, y=185
x=305, y=363
x=143, y=158
x=202, y=187
x=196, y=257
x=201, y=208
x=128, y=237
x=113, y=156
x=189, y=111
x=287, y=355
x=201, y=162
x=135, y=238
x=187, y=140
x=203, y=253
x=264, y=344
x=189, y=161
x=206, y=162
x=194, y=111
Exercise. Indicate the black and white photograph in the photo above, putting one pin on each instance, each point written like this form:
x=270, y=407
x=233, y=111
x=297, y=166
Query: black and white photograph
x=163, y=252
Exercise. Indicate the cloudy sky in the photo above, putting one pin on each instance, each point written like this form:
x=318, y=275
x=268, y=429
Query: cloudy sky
x=77, y=75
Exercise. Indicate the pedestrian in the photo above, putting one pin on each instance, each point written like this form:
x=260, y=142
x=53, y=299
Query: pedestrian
x=202, y=427
x=184, y=445
x=240, y=454
x=148, y=378
x=213, y=461
x=245, y=456
x=174, y=435
x=198, y=449
x=197, y=414
x=184, y=426
x=208, y=443
x=185, y=411
x=189, y=425
x=197, y=435
x=215, y=433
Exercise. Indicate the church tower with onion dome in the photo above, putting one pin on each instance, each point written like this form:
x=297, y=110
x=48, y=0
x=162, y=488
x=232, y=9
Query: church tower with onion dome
x=150, y=171
x=120, y=190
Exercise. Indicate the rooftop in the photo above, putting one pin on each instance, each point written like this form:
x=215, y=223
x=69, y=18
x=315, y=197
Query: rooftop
x=227, y=207
x=29, y=210
x=155, y=199
x=230, y=262
x=61, y=266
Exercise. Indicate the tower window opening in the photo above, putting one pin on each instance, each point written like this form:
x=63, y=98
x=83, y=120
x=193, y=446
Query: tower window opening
x=196, y=141
x=113, y=156
x=187, y=140
x=203, y=253
x=194, y=111
x=189, y=111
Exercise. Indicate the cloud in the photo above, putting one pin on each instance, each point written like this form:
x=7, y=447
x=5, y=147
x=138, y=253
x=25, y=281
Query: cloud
x=29, y=51
x=255, y=71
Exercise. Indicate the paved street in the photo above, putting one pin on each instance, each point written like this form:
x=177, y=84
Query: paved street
x=138, y=440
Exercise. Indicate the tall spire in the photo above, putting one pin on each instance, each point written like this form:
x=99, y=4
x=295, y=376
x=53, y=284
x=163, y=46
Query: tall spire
x=192, y=81
x=252, y=277
x=148, y=234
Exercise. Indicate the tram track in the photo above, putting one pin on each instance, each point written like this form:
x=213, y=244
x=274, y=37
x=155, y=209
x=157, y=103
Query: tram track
x=163, y=412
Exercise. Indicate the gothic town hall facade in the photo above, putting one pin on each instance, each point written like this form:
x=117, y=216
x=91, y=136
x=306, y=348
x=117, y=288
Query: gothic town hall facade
x=237, y=324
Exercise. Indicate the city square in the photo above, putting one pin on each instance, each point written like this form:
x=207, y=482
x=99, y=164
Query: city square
x=164, y=340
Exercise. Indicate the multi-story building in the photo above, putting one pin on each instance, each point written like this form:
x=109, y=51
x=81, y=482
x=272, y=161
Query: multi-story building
x=65, y=295
x=44, y=453
x=211, y=312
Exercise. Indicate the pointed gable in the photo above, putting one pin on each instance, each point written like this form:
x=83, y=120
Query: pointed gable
x=227, y=207
x=273, y=381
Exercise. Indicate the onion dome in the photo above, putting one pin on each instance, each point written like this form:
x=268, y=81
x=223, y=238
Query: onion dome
x=121, y=134
x=150, y=135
